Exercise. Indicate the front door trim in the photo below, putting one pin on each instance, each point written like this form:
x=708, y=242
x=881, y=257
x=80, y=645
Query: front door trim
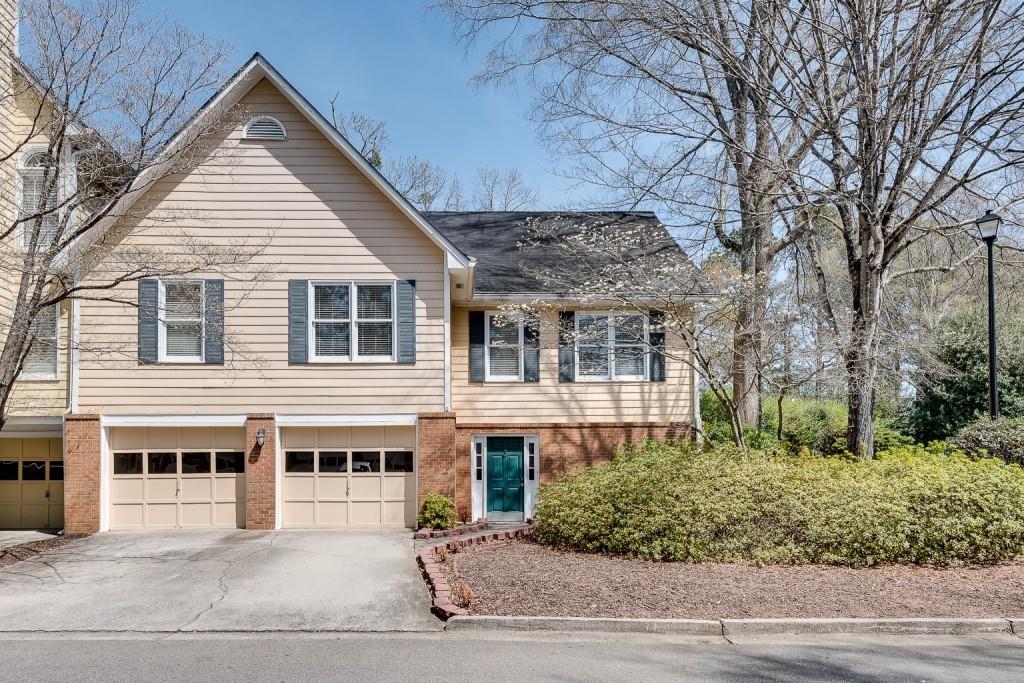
x=478, y=473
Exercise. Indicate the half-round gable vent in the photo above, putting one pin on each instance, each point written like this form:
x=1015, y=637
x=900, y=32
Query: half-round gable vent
x=265, y=128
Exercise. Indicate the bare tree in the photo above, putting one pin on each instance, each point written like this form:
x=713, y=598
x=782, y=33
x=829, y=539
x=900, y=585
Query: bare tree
x=427, y=185
x=923, y=114
x=681, y=105
x=99, y=104
x=502, y=190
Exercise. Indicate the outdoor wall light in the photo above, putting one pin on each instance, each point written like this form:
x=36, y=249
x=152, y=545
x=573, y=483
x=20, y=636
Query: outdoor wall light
x=261, y=437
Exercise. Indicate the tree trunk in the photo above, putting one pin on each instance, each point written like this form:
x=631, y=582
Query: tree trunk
x=751, y=311
x=862, y=356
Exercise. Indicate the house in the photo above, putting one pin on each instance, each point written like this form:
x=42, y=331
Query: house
x=358, y=373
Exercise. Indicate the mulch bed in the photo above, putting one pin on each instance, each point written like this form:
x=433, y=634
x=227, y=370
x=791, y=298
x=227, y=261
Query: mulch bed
x=16, y=553
x=521, y=577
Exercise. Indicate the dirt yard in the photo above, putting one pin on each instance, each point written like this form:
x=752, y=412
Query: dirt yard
x=523, y=578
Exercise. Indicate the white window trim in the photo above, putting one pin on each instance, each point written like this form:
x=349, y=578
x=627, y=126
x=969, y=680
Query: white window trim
x=162, y=325
x=611, y=348
x=488, y=377
x=20, y=174
x=353, y=349
x=49, y=377
x=246, y=135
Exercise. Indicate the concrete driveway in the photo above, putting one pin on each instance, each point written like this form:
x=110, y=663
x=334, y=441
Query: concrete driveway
x=231, y=580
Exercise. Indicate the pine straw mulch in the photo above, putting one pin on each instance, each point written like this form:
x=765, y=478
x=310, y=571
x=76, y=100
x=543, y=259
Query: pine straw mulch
x=16, y=553
x=521, y=577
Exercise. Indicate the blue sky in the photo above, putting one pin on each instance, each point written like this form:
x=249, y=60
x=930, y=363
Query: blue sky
x=392, y=60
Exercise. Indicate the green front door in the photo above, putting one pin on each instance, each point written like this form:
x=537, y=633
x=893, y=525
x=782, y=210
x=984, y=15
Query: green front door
x=505, y=477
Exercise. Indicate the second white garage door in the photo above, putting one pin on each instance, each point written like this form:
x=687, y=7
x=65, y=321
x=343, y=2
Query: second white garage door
x=349, y=476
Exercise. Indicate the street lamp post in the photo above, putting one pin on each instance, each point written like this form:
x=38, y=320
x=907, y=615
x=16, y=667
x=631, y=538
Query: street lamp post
x=988, y=226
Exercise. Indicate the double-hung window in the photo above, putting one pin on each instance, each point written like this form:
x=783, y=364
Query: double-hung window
x=41, y=361
x=181, y=321
x=504, y=349
x=352, y=321
x=611, y=346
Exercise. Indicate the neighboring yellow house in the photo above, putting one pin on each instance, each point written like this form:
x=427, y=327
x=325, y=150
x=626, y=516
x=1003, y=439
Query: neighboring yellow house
x=360, y=374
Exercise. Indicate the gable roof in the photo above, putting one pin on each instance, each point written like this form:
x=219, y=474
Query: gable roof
x=234, y=89
x=510, y=261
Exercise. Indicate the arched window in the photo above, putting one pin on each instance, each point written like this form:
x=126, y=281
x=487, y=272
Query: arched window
x=36, y=173
x=265, y=128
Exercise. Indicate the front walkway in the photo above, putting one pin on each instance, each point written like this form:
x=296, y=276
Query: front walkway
x=221, y=580
x=9, y=537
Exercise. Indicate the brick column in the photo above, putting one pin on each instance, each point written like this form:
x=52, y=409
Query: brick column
x=435, y=450
x=81, y=474
x=260, y=472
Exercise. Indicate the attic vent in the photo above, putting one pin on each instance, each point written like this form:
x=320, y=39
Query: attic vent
x=265, y=128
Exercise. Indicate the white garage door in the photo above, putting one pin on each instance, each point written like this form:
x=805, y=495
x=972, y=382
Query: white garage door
x=31, y=484
x=349, y=476
x=177, y=477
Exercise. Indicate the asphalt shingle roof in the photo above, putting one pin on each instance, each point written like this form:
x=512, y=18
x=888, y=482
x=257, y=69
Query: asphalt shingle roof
x=505, y=266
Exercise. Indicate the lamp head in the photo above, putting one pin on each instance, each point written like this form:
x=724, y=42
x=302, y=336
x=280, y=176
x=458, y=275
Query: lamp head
x=988, y=225
x=261, y=437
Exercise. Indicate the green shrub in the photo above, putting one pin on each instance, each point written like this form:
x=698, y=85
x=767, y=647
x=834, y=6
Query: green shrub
x=1002, y=438
x=676, y=502
x=438, y=512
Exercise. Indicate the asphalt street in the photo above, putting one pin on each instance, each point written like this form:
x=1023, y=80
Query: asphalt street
x=505, y=657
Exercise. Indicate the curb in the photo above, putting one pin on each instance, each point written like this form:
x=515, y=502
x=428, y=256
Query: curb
x=695, y=627
x=739, y=627
x=440, y=590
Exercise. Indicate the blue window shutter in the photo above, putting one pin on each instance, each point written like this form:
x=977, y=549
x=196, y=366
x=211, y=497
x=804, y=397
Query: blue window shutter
x=477, y=320
x=531, y=353
x=298, y=323
x=656, y=358
x=213, y=343
x=149, y=303
x=406, y=299
x=566, y=346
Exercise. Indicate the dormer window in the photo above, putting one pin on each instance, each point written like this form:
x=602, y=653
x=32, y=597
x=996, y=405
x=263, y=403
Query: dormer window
x=265, y=128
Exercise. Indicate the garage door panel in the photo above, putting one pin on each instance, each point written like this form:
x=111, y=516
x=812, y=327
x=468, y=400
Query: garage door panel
x=10, y=492
x=300, y=513
x=299, y=487
x=365, y=513
x=394, y=512
x=127, y=515
x=126, y=490
x=229, y=514
x=365, y=487
x=161, y=489
x=34, y=492
x=162, y=514
x=10, y=515
x=229, y=488
x=401, y=486
x=35, y=515
x=196, y=489
x=56, y=516
x=196, y=514
x=57, y=493
x=333, y=513
x=332, y=487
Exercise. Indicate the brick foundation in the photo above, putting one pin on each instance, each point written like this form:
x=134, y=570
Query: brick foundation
x=81, y=474
x=445, y=449
x=260, y=473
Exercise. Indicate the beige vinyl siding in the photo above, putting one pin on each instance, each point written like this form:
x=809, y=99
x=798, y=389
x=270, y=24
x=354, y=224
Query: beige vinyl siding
x=551, y=401
x=319, y=218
